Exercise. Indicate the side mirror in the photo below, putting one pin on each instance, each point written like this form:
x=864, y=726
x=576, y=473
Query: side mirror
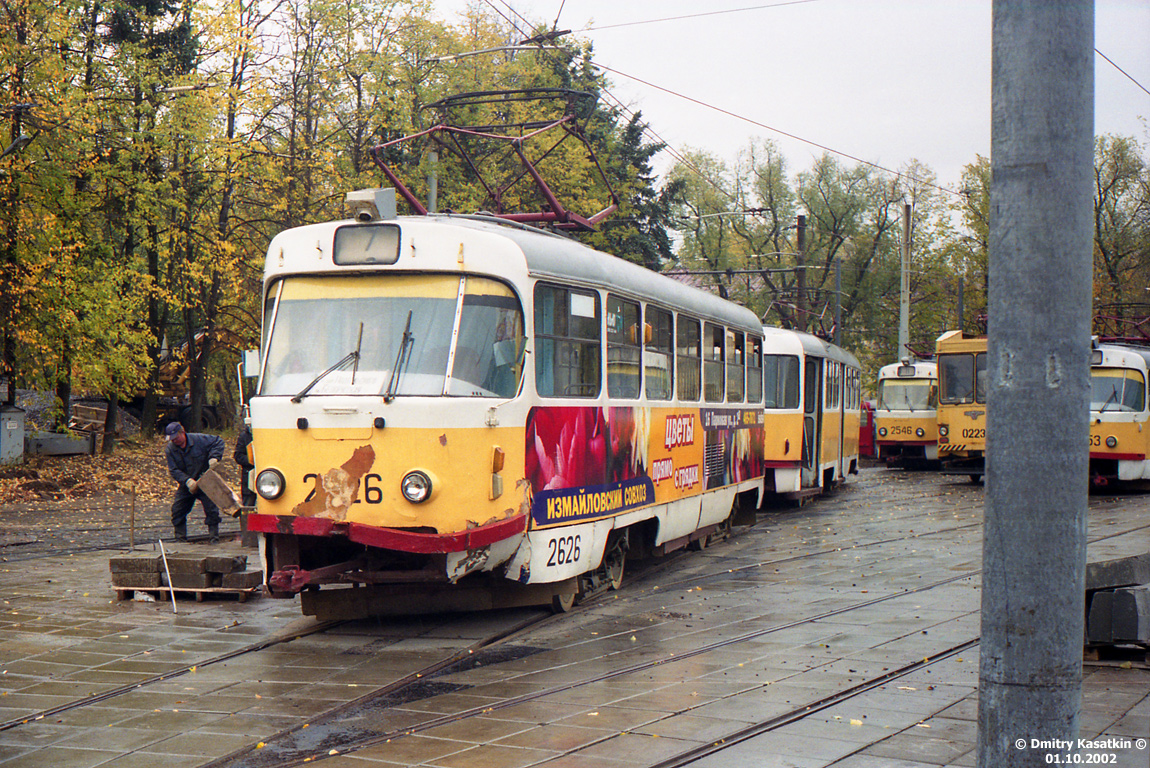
x=251, y=363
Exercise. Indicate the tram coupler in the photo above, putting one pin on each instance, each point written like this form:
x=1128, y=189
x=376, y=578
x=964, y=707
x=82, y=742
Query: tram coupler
x=288, y=581
x=292, y=579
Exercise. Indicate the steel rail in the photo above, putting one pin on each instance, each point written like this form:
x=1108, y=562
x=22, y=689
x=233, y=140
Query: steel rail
x=377, y=738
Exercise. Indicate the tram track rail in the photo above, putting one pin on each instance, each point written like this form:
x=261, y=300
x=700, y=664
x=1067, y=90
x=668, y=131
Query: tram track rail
x=25, y=551
x=655, y=568
x=810, y=708
x=265, y=754
x=270, y=758
x=163, y=676
x=648, y=571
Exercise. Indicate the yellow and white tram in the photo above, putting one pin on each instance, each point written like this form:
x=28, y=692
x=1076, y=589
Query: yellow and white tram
x=906, y=413
x=459, y=412
x=813, y=397
x=961, y=361
x=1119, y=428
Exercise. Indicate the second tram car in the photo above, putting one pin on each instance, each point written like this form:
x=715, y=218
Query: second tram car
x=813, y=398
x=460, y=412
x=961, y=364
x=905, y=416
x=1119, y=428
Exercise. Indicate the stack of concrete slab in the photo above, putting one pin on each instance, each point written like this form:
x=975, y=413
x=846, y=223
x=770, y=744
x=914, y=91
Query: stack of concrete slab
x=1118, y=602
x=183, y=571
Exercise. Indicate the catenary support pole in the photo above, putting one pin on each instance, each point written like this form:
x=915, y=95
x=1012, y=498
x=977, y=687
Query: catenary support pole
x=1034, y=545
x=904, y=288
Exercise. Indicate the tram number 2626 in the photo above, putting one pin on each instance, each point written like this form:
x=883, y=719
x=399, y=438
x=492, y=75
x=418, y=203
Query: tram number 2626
x=563, y=550
x=372, y=491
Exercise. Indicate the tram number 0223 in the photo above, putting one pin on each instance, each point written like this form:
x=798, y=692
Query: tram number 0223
x=975, y=432
x=563, y=550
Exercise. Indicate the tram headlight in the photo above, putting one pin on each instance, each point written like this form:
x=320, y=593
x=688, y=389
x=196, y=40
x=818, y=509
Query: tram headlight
x=270, y=484
x=1112, y=442
x=416, y=487
x=882, y=431
x=920, y=432
x=943, y=430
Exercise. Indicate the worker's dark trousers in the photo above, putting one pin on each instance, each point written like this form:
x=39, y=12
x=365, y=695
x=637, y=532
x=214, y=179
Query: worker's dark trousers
x=183, y=504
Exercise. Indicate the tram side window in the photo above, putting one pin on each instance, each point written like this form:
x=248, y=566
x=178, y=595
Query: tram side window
x=736, y=366
x=567, y=342
x=811, y=376
x=781, y=381
x=830, y=385
x=624, y=340
x=658, y=355
x=754, y=369
x=980, y=377
x=713, y=363
x=687, y=354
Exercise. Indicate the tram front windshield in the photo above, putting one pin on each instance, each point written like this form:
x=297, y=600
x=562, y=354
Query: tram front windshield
x=906, y=394
x=394, y=336
x=962, y=378
x=1117, y=389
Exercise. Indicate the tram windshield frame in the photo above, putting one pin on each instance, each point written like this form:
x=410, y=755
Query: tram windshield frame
x=907, y=395
x=1121, y=390
x=962, y=378
x=408, y=334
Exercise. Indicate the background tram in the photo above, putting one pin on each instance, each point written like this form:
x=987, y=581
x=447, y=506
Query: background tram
x=961, y=361
x=1119, y=434
x=812, y=402
x=905, y=415
x=459, y=412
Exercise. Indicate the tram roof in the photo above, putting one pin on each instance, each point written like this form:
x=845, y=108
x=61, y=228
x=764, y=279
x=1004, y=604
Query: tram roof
x=1125, y=352
x=922, y=369
x=809, y=344
x=550, y=255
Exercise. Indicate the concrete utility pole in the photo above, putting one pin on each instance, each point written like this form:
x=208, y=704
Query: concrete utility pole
x=1034, y=544
x=904, y=287
x=801, y=277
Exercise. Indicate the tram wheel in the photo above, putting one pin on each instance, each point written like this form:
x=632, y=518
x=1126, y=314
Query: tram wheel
x=615, y=571
x=563, y=602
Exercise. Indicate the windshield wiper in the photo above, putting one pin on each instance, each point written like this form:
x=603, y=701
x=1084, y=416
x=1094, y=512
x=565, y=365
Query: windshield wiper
x=349, y=357
x=1112, y=397
x=401, y=359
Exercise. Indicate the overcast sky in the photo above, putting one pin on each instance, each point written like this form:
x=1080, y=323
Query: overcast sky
x=885, y=81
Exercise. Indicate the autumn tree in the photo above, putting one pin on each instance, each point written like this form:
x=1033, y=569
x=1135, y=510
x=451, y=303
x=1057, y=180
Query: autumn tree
x=1121, y=233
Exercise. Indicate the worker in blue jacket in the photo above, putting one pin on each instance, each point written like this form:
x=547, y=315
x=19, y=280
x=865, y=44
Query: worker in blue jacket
x=190, y=455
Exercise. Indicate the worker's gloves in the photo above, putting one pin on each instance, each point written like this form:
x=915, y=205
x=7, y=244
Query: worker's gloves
x=212, y=462
x=191, y=485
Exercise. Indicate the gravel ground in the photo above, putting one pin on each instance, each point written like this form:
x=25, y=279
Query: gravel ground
x=68, y=503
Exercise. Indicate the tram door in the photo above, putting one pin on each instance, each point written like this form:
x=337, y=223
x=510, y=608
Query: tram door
x=812, y=421
x=839, y=401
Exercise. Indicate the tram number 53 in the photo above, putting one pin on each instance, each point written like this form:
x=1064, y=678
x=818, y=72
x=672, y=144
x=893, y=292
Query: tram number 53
x=563, y=550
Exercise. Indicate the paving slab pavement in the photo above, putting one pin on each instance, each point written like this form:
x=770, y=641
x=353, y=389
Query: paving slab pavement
x=807, y=604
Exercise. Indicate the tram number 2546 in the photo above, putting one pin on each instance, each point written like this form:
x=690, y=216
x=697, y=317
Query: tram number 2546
x=563, y=550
